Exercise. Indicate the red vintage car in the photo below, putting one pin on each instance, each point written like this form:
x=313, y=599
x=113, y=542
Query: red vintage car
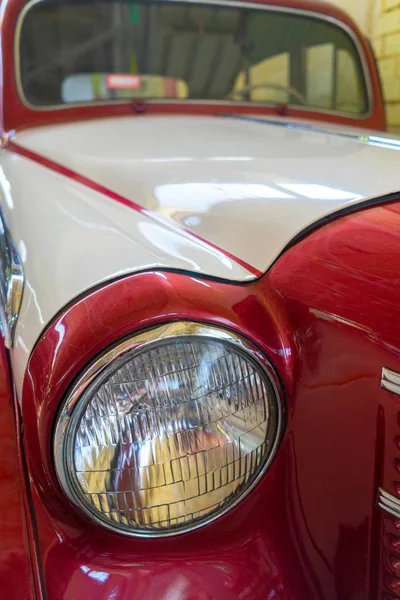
x=200, y=304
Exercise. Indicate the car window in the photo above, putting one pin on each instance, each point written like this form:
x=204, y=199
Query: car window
x=90, y=51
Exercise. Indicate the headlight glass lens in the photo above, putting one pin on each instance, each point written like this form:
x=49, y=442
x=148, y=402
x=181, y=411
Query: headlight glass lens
x=169, y=432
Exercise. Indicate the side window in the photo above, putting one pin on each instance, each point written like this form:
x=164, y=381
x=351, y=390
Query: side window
x=332, y=80
x=320, y=78
x=349, y=94
x=300, y=61
x=266, y=78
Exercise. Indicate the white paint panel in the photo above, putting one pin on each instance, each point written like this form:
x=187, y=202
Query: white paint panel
x=247, y=187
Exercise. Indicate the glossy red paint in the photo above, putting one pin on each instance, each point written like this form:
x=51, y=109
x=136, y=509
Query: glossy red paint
x=16, y=570
x=119, y=309
x=17, y=116
x=224, y=560
x=341, y=288
x=327, y=315
x=70, y=174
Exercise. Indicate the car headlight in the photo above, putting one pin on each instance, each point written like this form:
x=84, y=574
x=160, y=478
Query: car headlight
x=168, y=430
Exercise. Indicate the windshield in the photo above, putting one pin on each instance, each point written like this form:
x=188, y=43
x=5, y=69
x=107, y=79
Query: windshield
x=91, y=51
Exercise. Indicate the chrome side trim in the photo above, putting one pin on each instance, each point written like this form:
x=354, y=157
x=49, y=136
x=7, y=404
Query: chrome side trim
x=11, y=283
x=389, y=503
x=224, y=3
x=390, y=381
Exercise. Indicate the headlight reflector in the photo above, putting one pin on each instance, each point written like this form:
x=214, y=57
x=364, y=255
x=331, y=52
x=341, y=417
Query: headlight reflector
x=168, y=430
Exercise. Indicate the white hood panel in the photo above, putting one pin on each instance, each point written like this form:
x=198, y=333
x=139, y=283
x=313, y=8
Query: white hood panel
x=225, y=179
x=246, y=187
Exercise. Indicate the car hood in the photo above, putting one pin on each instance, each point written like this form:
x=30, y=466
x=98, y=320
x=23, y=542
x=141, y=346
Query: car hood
x=219, y=196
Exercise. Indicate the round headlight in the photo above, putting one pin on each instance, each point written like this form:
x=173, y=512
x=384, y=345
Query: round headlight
x=168, y=430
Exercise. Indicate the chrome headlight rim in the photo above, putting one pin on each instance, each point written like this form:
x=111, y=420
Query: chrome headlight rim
x=110, y=361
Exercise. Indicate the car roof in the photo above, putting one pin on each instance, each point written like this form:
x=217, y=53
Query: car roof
x=321, y=6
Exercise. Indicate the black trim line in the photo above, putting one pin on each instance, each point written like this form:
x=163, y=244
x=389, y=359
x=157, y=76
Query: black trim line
x=39, y=584
x=341, y=212
x=107, y=282
x=346, y=211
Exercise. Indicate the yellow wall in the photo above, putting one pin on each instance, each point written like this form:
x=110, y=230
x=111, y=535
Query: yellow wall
x=359, y=10
x=380, y=21
x=385, y=35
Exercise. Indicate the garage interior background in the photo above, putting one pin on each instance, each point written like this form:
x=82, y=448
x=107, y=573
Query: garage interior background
x=380, y=21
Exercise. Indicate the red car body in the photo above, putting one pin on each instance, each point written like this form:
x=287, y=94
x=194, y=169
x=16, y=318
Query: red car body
x=327, y=314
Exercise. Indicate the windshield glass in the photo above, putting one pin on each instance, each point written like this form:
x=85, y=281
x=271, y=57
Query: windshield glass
x=90, y=51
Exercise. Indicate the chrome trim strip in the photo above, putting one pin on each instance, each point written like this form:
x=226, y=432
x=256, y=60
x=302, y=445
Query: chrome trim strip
x=71, y=411
x=230, y=3
x=11, y=283
x=390, y=381
x=389, y=503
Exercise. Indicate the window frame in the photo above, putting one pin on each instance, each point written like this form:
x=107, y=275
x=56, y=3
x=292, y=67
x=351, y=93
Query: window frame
x=365, y=71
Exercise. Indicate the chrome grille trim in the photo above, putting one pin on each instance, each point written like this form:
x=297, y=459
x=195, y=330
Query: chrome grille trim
x=11, y=283
x=389, y=503
x=390, y=381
